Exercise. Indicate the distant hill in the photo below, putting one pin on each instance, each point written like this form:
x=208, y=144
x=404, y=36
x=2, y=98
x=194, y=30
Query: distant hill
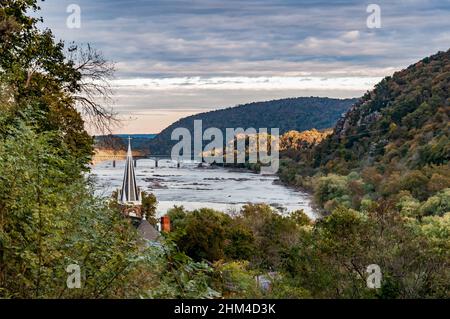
x=287, y=114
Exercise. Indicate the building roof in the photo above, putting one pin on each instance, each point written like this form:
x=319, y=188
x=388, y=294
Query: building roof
x=129, y=193
x=147, y=231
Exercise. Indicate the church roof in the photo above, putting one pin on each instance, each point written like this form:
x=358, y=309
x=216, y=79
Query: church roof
x=147, y=231
x=130, y=193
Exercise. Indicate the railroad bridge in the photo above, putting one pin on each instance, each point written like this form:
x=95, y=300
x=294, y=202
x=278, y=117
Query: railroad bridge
x=136, y=158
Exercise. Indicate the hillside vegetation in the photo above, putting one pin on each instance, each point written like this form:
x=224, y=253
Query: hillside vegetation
x=386, y=167
x=404, y=122
x=395, y=140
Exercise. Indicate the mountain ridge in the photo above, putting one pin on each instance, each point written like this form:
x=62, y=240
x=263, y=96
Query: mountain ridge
x=288, y=114
x=403, y=120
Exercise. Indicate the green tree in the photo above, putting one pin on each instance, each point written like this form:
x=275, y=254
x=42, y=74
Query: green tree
x=149, y=204
x=438, y=204
x=50, y=220
x=46, y=83
x=204, y=234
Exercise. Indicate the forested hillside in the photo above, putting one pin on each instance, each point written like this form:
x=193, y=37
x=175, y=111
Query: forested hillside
x=385, y=169
x=394, y=141
x=287, y=114
x=404, y=122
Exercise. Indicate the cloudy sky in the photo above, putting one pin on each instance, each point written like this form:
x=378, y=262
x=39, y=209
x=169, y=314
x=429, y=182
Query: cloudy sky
x=180, y=57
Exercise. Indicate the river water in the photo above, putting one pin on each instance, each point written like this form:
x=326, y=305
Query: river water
x=219, y=188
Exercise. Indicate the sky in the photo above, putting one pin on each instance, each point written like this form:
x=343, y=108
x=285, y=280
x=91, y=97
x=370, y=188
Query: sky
x=176, y=58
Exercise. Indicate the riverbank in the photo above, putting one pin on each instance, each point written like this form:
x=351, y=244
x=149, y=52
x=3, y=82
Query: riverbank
x=102, y=155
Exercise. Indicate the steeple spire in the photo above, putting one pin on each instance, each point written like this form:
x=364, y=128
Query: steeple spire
x=130, y=193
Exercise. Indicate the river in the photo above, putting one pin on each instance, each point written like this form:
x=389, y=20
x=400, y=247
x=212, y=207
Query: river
x=219, y=188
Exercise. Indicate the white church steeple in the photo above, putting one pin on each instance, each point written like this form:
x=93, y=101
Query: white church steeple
x=130, y=194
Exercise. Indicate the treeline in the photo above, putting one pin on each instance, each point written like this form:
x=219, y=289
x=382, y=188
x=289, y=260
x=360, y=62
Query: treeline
x=292, y=144
x=298, y=258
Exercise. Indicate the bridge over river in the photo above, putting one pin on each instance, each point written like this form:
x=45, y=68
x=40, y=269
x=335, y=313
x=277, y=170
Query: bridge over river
x=121, y=157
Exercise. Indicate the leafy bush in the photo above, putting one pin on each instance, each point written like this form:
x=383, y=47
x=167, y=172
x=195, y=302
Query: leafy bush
x=236, y=280
x=438, y=204
x=331, y=187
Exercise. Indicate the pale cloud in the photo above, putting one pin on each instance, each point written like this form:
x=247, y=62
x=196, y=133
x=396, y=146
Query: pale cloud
x=248, y=83
x=351, y=36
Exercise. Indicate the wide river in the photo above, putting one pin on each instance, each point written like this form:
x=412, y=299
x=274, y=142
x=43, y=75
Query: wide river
x=193, y=187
